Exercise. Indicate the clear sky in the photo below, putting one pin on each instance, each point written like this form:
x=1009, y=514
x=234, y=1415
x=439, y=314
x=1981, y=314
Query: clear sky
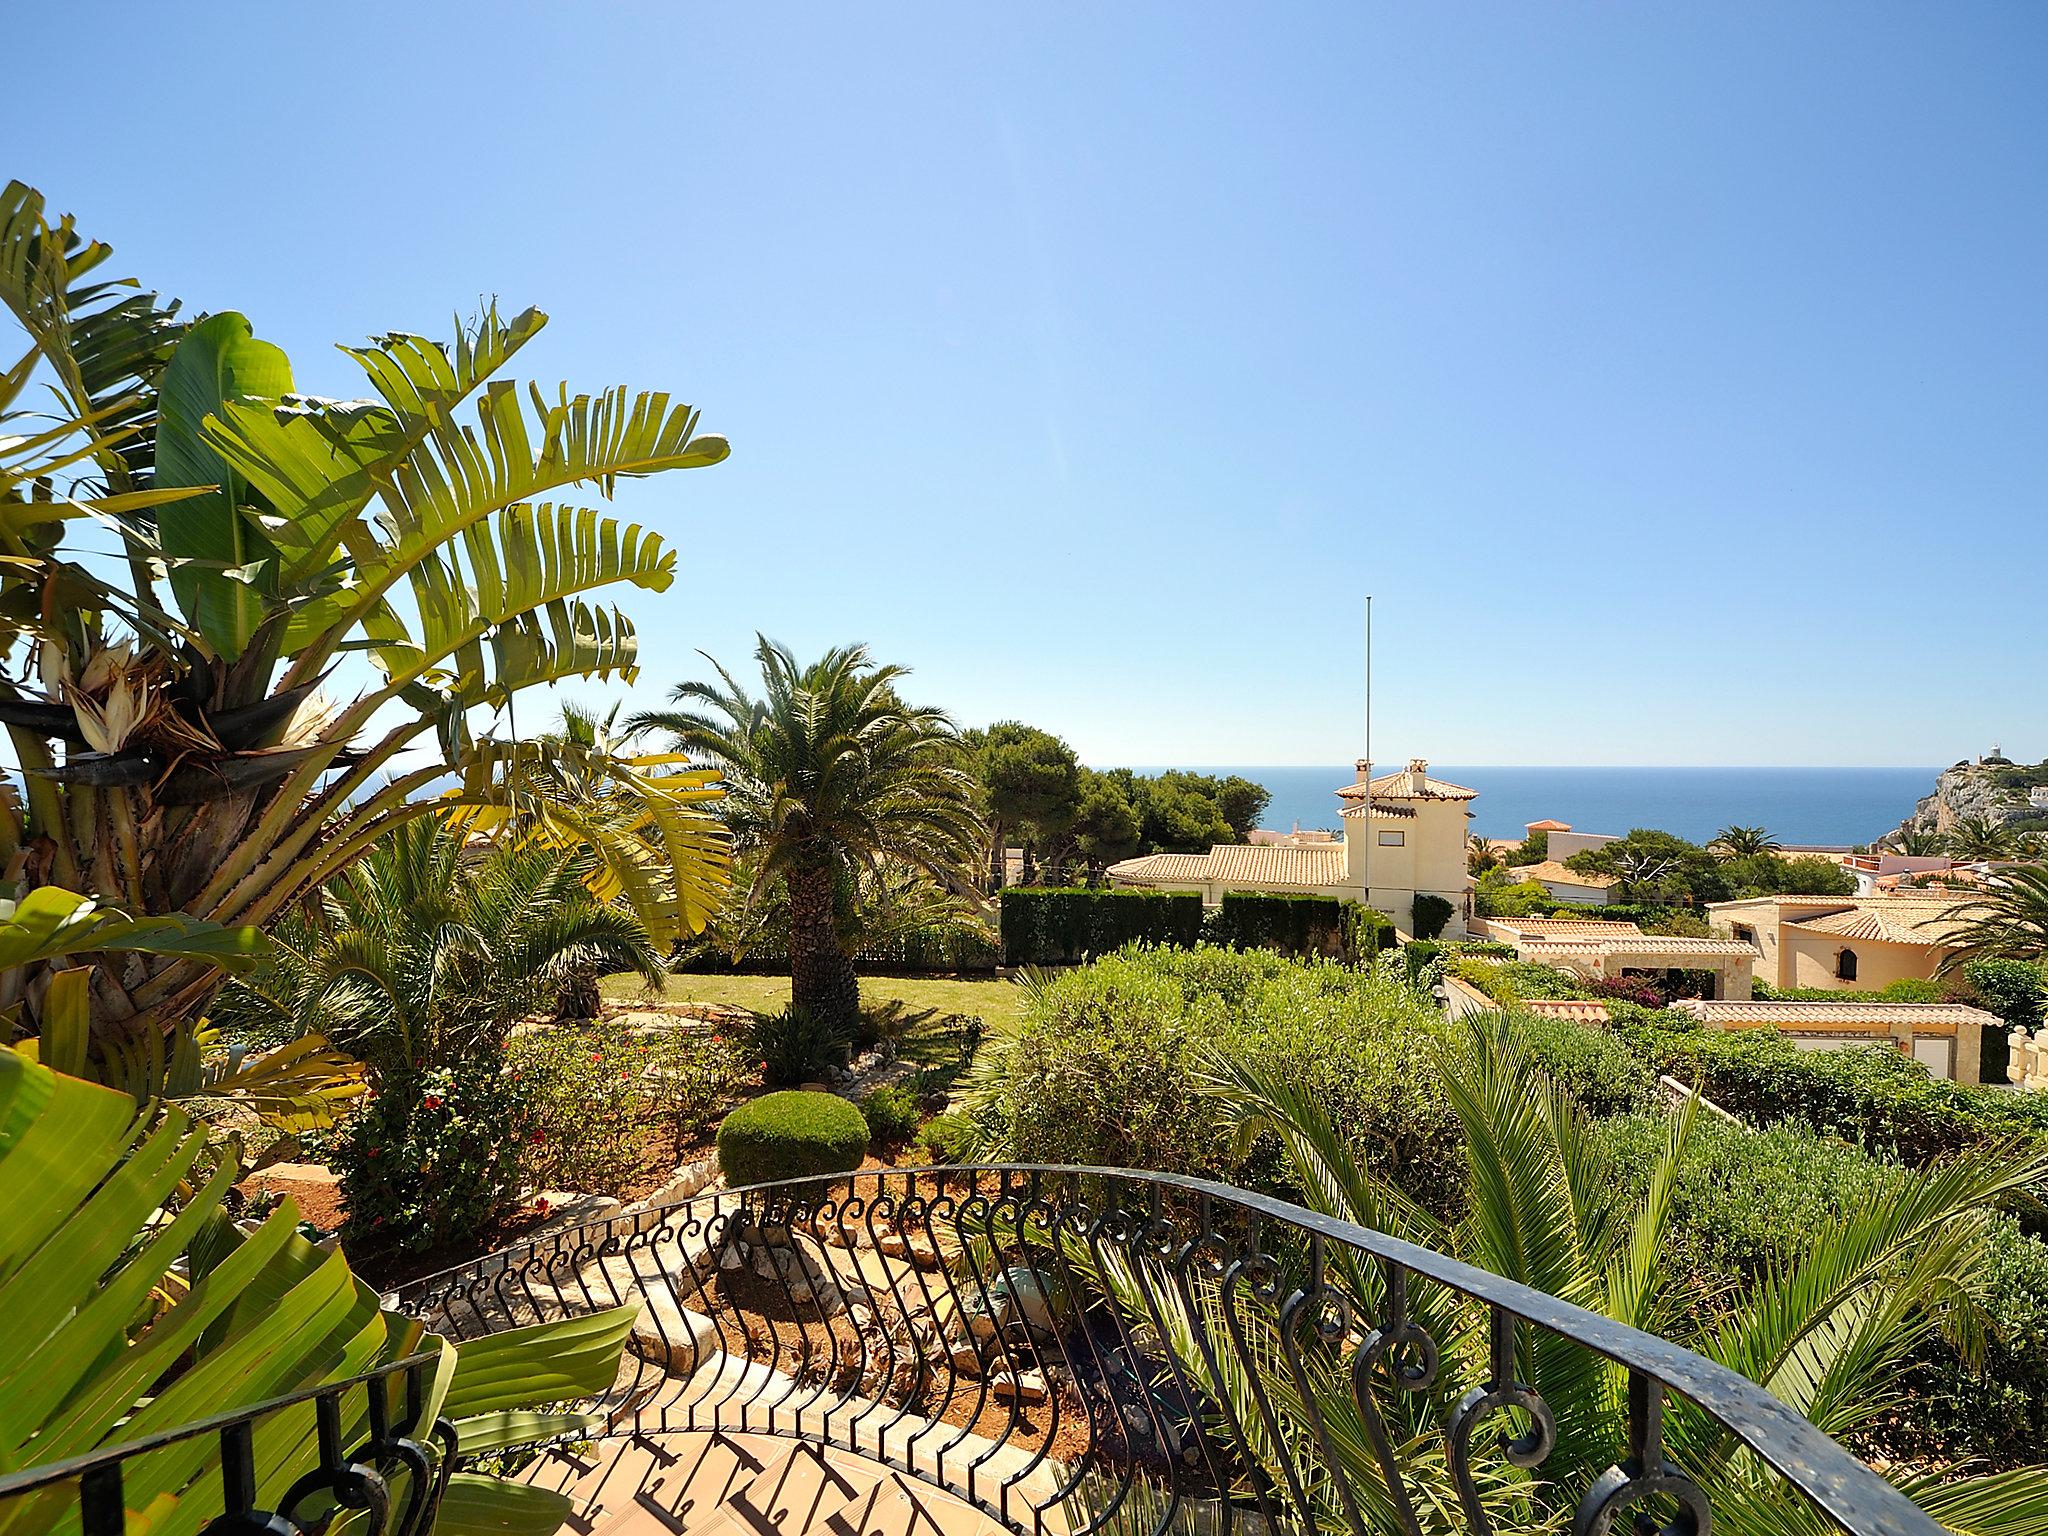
x=1673, y=374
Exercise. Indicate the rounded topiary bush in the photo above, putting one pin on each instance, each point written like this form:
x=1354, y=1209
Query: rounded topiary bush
x=791, y=1135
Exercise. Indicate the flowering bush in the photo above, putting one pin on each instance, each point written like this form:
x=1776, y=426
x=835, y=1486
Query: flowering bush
x=434, y=1157
x=587, y=1090
x=698, y=1076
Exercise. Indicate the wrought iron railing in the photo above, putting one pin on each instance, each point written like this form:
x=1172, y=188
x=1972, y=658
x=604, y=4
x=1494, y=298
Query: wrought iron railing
x=287, y=1466
x=1076, y=1350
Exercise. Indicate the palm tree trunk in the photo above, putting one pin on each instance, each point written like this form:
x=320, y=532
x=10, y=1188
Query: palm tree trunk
x=821, y=974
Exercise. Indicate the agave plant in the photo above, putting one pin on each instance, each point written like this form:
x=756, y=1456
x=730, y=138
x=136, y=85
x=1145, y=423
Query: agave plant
x=1828, y=1331
x=169, y=711
x=135, y=1305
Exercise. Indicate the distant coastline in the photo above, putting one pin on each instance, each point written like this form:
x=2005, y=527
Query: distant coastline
x=1826, y=806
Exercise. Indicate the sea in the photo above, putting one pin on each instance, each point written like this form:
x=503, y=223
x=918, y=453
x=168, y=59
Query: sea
x=1815, y=807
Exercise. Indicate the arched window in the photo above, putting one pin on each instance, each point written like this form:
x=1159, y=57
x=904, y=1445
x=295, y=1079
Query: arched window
x=1845, y=965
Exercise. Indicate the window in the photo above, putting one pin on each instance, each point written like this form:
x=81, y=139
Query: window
x=1745, y=933
x=1393, y=839
x=1845, y=965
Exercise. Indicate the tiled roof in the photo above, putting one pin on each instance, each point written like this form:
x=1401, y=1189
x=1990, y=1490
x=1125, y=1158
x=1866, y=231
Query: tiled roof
x=1394, y=786
x=1646, y=944
x=1820, y=1016
x=1889, y=920
x=1251, y=866
x=1548, y=825
x=1257, y=867
x=1385, y=808
x=1566, y=927
x=1563, y=874
x=1164, y=866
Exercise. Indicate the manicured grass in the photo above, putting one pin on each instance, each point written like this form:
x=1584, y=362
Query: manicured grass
x=766, y=994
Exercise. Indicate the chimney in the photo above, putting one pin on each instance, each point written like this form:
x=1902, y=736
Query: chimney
x=1418, y=772
x=1364, y=767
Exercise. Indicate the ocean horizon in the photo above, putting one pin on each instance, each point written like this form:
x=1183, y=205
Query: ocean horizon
x=1826, y=806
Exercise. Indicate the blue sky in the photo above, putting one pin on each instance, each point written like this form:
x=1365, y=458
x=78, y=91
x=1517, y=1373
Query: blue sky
x=1673, y=375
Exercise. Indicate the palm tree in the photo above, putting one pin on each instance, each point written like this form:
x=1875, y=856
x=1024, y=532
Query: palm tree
x=2007, y=920
x=1744, y=842
x=428, y=949
x=1828, y=1329
x=1917, y=843
x=1480, y=855
x=828, y=774
x=1979, y=839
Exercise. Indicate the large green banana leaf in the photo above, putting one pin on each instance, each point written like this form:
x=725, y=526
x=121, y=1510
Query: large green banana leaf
x=134, y=1305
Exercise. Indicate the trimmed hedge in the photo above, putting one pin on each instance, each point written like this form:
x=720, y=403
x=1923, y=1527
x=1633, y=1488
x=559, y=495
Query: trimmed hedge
x=1324, y=926
x=792, y=1135
x=1064, y=925
x=1878, y=1098
x=1430, y=914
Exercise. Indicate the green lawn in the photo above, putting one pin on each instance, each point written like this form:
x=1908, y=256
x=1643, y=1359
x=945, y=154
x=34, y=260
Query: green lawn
x=990, y=1000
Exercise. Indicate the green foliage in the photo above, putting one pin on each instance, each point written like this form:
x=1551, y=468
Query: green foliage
x=693, y=1077
x=791, y=1135
x=135, y=1306
x=1508, y=982
x=891, y=1112
x=175, y=755
x=423, y=953
x=2012, y=989
x=1030, y=784
x=1872, y=1096
x=586, y=1102
x=1907, y=989
x=1063, y=925
x=1831, y=1327
x=1495, y=895
x=435, y=1158
x=1106, y=1066
x=1747, y=1202
x=796, y=1045
x=1367, y=931
x=1533, y=849
x=1430, y=914
x=948, y=1138
x=1600, y=1073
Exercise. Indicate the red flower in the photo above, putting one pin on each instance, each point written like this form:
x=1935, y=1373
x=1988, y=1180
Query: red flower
x=624, y=1075
x=431, y=1101
x=369, y=1151
x=597, y=1055
x=538, y=1137
x=541, y=1206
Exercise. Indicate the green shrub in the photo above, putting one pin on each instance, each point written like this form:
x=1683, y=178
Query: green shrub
x=1745, y=1201
x=949, y=1138
x=1065, y=925
x=892, y=1113
x=1105, y=1067
x=434, y=1158
x=1869, y=1095
x=694, y=1076
x=1508, y=982
x=1367, y=932
x=791, y=1135
x=1590, y=1064
x=796, y=1046
x=1430, y=914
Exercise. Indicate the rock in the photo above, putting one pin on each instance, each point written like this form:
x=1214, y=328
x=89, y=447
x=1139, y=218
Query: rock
x=689, y=1179
x=732, y=1258
x=1023, y=1386
x=966, y=1361
x=893, y=1244
x=568, y=1208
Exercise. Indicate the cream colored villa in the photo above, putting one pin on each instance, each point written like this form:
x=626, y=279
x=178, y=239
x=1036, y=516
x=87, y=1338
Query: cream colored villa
x=1842, y=943
x=1404, y=835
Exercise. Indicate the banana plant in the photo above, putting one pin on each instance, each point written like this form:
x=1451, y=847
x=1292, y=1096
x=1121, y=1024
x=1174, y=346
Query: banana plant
x=134, y=1305
x=177, y=714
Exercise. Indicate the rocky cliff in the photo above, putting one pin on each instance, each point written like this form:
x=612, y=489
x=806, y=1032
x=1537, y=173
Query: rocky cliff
x=1990, y=788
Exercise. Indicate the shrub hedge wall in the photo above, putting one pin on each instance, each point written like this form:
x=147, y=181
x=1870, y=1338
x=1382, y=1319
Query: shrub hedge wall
x=1064, y=925
x=1323, y=926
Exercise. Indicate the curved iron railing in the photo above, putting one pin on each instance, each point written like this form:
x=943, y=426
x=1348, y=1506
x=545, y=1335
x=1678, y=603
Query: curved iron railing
x=285, y=1467
x=1075, y=1350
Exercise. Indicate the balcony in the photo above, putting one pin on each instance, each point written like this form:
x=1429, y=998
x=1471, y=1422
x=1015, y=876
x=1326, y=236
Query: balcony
x=1065, y=1351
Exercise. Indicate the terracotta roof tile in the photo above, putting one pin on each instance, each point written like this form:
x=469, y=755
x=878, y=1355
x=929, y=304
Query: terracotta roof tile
x=1819, y=1016
x=1563, y=874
